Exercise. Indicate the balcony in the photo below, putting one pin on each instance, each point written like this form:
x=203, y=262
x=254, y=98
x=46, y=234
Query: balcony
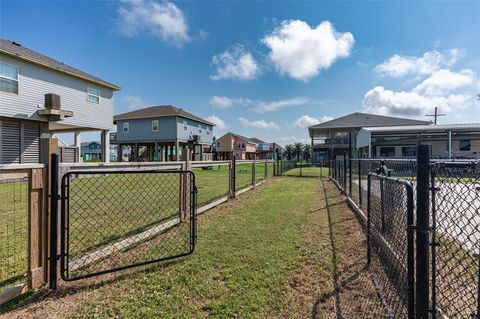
x=333, y=142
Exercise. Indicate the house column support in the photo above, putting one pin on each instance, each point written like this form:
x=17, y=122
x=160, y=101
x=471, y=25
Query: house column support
x=135, y=152
x=119, y=152
x=449, y=144
x=176, y=151
x=77, y=141
x=155, y=156
x=105, y=146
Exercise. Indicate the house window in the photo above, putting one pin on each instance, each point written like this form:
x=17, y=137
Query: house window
x=465, y=145
x=126, y=127
x=8, y=78
x=185, y=128
x=388, y=151
x=200, y=131
x=93, y=95
x=155, y=125
x=218, y=144
x=208, y=132
x=409, y=151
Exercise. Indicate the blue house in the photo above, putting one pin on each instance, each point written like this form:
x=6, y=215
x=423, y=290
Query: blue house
x=161, y=133
x=91, y=151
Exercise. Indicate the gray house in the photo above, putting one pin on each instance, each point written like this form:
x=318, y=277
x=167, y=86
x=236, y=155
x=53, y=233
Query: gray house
x=40, y=96
x=385, y=136
x=161, y=133
x=331, y=139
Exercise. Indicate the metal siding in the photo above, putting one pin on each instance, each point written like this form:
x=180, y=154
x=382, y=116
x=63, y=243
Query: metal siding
x=140, y=130
x=35, y=81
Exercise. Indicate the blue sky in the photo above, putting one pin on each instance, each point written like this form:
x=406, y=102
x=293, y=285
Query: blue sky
x=266, y=69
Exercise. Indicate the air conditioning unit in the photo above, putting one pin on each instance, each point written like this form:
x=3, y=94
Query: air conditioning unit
x=52, y=101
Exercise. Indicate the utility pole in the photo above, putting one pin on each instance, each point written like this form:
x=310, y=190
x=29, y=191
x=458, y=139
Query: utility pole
x=435, y=115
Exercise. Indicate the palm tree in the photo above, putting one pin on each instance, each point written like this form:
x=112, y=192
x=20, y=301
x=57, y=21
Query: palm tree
x=298, y=150
x=289, y=151
x=307, y=151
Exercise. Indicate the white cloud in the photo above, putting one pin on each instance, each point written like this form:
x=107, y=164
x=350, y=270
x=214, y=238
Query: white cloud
x=300, y=51
x=219, y=123
x=161, y=19
x=410, y=104
x=398, y=65
x=260, y=124
x=223, y=102
x=263, y=107
x=443, y=81
x=235, y=63
x=305, y=121
x=292, y=139
x=135, y=102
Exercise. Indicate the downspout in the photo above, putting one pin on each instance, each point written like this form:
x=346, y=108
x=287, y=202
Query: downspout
x=449, y=144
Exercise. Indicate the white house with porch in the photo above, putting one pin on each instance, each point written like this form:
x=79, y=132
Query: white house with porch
x=40, y=96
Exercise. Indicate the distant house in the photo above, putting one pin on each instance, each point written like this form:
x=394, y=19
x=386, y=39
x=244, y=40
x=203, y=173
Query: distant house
x=265, y=150
x=385, y=136
x=92, y=151
x=40, y=96
x=234, y=145
x=161, y=133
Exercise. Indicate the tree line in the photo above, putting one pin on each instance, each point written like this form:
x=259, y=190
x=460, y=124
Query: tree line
x=298, y=151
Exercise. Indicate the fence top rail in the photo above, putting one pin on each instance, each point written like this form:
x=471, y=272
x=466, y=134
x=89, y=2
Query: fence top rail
x=121, y=164
x=391, y=179
x=16, y=167
x=245, y=161
x=208, y=163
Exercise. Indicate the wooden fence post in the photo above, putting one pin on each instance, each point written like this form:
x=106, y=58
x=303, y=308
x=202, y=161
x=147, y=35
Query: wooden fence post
x=36, y=241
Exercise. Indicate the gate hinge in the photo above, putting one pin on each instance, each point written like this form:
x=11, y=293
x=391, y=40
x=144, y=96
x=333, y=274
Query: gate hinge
x=195, y=190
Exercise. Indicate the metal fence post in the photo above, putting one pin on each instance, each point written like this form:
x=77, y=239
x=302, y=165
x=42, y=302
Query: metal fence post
x=422, y=244
x=345, y=173
x=359, y=166
x=266, y=168
x=410, y=252
x=233, y=176
x=254, y=168
x=53, y=220
x=369, y=190
x=350, y=163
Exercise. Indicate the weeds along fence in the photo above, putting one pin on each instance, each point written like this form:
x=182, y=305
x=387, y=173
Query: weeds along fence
x=110, y=216
x=423, y=232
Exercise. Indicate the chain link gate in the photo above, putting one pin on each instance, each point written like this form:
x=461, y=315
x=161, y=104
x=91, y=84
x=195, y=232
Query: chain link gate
x=115, y=220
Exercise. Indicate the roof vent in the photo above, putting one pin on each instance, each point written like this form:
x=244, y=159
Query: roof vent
x=16, y=43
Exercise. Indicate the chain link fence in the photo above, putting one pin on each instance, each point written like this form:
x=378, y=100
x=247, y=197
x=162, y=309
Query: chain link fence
x=113, y=220
x=14, y=199
x=453, y=229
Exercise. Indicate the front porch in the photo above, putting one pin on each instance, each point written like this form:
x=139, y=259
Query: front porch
x=165, y=151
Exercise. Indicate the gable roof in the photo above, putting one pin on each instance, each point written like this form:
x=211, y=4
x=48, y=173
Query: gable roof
x=159, y=111
x=358, y=119
x=257, y=141
x=247, y=139
x=18, y=51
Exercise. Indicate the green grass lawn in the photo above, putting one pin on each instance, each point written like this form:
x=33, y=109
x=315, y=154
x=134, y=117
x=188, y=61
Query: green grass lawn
x=106, y=209
x=308, y=172
x=13, y=233
x=240, y=267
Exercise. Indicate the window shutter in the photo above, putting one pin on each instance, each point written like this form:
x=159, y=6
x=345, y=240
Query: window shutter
x=31, y=142
x=10, y=131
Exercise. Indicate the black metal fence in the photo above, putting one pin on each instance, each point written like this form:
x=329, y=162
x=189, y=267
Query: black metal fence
x=445, y=226
x=302, y=168
x=112, y=220
x=390, y=243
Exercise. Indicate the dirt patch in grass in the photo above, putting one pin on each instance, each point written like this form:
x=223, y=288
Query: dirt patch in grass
x=333, y=280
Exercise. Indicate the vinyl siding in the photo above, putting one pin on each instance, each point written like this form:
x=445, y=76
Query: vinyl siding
x=193, y=128
x=140, y=130
x=35, y=81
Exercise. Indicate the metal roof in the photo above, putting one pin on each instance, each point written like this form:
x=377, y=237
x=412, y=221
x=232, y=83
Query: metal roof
x=18, y=51
x=159, y=111
x=430, y=128
x=358, y=119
